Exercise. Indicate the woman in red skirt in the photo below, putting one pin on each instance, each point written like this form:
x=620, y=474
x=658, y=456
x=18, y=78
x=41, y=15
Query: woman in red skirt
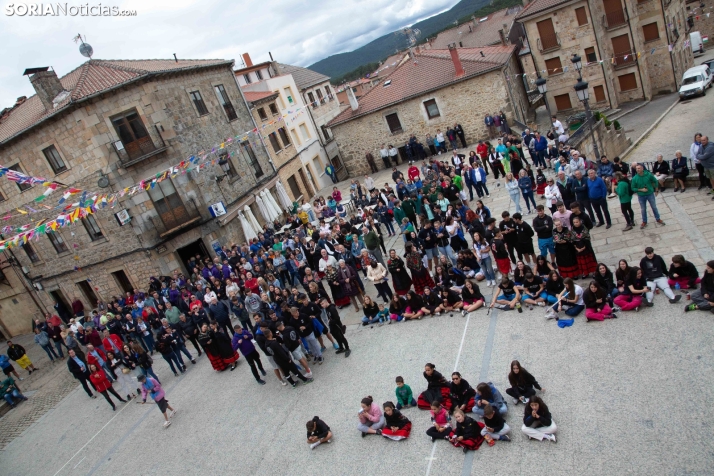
x=398, y=426
x=564, y=251
x=218, y=347
x=587, y=264
x=501, y=253
x=467, y=434
x=437, y=389
x=420, y=275
x=462, y=393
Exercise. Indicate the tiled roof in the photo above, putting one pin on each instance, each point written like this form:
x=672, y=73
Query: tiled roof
x=537, y=6
x=483, y=34
x=304, y=78
x=433, y=69
x=392, y=62
x=254, y=96
x=91, y=78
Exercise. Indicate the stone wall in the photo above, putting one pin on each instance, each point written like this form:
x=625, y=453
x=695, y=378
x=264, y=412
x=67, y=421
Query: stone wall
x=703, y=19
x=465, y=103
x=17, y=307
x=610, y=142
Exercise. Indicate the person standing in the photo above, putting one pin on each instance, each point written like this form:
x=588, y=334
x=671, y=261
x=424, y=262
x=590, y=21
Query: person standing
x=370, y=160
x=597, y=194
x=80, y=370
x=103, y=385
x=624, y=194
x=705, y=156
x=393, y=155
x=384, y=153
x=646, y=186
x=460, y=133
x=152, y=387
x=543, y=226
x=17, y=353
x=693, y=151
x=43, y=340
x=242, y=339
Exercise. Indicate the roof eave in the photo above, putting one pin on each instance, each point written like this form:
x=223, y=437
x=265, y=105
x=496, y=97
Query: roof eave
x=113, y=88
x=530, y=16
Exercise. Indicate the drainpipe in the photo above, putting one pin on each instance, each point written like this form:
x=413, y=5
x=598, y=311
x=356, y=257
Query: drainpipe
x=639, y=71
x=599, y=52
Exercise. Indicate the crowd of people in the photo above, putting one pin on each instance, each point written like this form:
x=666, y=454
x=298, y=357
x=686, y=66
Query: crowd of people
x=277, y=285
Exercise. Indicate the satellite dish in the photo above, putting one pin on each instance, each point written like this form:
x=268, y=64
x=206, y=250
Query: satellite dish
x=86, y=50
x=103, y=181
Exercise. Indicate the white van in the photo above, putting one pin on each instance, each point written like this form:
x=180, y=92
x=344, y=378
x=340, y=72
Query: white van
x=695, y=38
x=695, y=81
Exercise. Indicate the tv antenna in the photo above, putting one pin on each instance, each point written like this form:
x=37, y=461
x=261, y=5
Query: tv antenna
x=85, y=49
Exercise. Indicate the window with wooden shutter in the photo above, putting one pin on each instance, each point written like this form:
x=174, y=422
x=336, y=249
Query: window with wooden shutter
x=393, y=122
x=562, y=102
x=650, y=32
x=273, y=137
x=546, y=33
x=53, y=158
x=581, y=15
x=599, y=92
x=628, y=82
x=261, y=113
x=590, y=55
x=553, y=66
x=284, y=136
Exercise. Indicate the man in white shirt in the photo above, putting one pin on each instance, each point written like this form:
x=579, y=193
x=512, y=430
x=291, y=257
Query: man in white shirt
x=576, y=163
x=369, y=183
x=393, y=155
x=326, y=261
x=558, y=126
x=384, y=153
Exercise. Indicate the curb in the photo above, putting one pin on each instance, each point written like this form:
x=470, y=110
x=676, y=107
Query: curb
x=648, y=131
x=618, y=116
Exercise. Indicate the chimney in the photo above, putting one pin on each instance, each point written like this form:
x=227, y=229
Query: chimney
x=503, y=37
x=246, y=60
x=352, y=98
x=20, y=100
x=455, y=58
x=47, y=85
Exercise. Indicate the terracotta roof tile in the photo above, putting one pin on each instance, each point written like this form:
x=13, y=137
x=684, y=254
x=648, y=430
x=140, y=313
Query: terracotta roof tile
x=90, y=78
x=537, y=6
x=252, y=96
x=432, y=70
x=483, y=34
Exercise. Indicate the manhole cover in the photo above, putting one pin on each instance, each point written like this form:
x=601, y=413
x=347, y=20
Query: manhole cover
x=685, y=102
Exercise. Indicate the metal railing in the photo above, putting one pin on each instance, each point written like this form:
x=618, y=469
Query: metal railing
x=140, y=149
x=177, y=219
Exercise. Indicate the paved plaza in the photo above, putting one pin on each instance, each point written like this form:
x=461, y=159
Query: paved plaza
x=630, y=396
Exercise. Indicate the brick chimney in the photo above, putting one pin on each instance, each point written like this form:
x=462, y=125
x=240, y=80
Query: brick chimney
x=246, y=60
x=47, y=85
x=457, y=61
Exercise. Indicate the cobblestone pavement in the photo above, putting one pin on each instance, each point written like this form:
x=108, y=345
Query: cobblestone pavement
x=629, y=395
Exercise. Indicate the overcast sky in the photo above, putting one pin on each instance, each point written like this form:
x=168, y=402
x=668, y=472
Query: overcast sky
x=295, y=31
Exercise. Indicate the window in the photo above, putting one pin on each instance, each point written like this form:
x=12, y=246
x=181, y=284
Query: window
x=168, y=204
x=289, y=95
x=628, y=82
x=317, y=165
x=319, y=96
x=133, y=135
x=292, y=183
x=273, y=108
x=261, y=113
x=246, y=76
x=252, y=159
x=326, y=133
x=562, y=102
x=229, y=170
x=122, y=281
x=546, y=32
x=554, y=66
x=432, y=110
x=273, y=137
x=30, y=252
x=650, y=32
x=590, y=55
x=599, y=92
x=311, y=99
x=295, y=136
x=225, y=101
x=259, y=75
x=393, y=123
x=57, y=241
x=284, y=136
x=305, y=133
x=88, y=292
x=282, y=103
x=581, y=16
x=329, y=93
x=54, y=159
x=198, y=102
x=21, y=186
x=92, y=227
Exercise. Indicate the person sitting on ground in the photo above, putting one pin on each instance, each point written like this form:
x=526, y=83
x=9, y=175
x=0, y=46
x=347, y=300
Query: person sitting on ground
x=596, y=307
x=656, y=273
x=371, y=312
x=405, y=397
x=317, y=432
x=532, y=290
x=414, y=304
x=467, y=434
x=451, y=300
x=440, y=418
x=523, y=384
x=397, y=427
x=437, y=389
x=487, y=393
x=10, y=391
x=683, y=273
x=462, y=393
x=703, y=298
x=397, y=306
x=432, y=303
x=495, y=427
x=537, y=421
x=633, y=290
x=371, y=419
x=571, y=298
x=472, y=297
x=508, y=296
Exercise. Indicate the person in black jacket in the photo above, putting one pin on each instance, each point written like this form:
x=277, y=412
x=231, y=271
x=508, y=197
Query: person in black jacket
x=467, y=434
x=282, y=358
x=17, y=353
x=220, y=313
x=495, y=427
x=522, y=384
x=437, y=389
x=301, y=320
x=189, y=329
x=398, y=427
x=462, y=393
x=337, y=329
x=317, y=432
x=80, y=370
x=537, y=421
x=656, y=274
x=703, y=298
x=683, y=272
x=524, y=237
x=291, y=339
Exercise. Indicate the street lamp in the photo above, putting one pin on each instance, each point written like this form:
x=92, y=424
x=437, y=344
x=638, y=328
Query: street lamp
x=223, y=162
x=542, y=88
x=581, y=89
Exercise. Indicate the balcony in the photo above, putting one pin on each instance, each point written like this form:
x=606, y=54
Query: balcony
x=548, y=43
x=175, y=216
x=624, y=59
x=140, y=149
x=614, y=19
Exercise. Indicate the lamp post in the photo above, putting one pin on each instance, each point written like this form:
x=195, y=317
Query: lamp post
x=543, y=88
x=581, y=89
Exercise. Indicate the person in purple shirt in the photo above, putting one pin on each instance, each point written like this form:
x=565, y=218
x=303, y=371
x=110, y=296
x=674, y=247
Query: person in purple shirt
x=243, y=341
x=597, y=193
x=226, y=269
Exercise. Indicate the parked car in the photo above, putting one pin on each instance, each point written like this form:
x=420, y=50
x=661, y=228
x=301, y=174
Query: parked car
x=695, y=38
x=695, y=81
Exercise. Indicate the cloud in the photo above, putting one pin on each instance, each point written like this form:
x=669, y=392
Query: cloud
x=300, y=32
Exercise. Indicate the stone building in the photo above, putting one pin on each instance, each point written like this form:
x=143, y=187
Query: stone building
x=700, y=17
x=107, y=126
x=434, y=90
x=624, y=46
x=19, y=301
x=493, y=29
